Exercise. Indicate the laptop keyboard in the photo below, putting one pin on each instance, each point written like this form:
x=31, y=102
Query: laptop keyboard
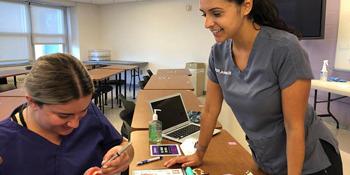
x=185, y=131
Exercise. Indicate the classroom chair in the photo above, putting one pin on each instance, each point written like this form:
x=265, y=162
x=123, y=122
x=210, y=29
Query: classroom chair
x=126, y=115
x=150, y=73
x=142, y=84
x=146, y=78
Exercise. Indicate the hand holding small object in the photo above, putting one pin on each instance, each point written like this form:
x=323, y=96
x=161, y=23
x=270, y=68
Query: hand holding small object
x=117, y=154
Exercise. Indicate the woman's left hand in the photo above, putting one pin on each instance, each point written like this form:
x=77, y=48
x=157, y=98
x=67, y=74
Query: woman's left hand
x=117, y=165
x=93, y=171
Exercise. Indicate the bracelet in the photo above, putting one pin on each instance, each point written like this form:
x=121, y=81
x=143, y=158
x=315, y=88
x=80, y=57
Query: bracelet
x=200, y=149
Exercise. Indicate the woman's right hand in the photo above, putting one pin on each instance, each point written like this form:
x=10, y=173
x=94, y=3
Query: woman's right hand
x=185, y=161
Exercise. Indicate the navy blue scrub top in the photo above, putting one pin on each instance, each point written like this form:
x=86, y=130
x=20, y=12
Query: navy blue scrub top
x=254, y=94
x=25, y=152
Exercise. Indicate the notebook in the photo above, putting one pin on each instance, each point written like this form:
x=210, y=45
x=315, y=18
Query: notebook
x=176, y=124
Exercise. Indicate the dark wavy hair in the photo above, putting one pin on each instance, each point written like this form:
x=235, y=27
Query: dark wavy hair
x=265, y=13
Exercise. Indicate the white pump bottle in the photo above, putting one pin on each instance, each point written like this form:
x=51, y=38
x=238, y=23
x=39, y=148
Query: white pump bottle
x=324, y=71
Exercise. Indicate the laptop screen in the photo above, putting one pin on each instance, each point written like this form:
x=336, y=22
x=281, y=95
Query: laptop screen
x=173, y=111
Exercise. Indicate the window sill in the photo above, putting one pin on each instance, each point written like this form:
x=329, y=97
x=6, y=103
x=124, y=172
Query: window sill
x=14, y=63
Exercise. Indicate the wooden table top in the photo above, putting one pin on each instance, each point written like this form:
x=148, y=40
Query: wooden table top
x=8, y=104
x=220, y=158
x=174, y=72
x=143, y=113
x=12, y=72
x=100, y=74
x=116, y=62
x=169, y=82
x=121, y=67
x=19, y=92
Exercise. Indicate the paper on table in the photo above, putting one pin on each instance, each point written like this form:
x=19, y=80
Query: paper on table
x=159, y=172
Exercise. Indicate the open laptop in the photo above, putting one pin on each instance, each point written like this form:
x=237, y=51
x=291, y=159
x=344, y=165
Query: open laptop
x=176, y=124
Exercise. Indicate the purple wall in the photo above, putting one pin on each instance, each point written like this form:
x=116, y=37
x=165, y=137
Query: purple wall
x=320, y=50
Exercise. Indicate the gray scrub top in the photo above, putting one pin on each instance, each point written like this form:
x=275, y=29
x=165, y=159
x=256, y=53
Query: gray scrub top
x=254, y=95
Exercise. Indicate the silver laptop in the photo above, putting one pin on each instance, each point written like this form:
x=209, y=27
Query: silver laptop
x=176, y=124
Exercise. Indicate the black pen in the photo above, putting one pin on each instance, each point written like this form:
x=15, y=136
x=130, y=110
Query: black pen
x=149, y=160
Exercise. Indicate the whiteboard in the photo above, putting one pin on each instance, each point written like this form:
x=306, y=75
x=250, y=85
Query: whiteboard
x=342, y=55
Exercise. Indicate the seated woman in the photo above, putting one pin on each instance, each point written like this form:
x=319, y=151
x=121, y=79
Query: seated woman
x=59, y=130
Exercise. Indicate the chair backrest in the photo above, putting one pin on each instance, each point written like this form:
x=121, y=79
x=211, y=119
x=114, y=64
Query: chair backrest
x=126, y=115
x=126, y=130
x=150, y=73
x=142, y=84
x=146, y=78
x=128, y=105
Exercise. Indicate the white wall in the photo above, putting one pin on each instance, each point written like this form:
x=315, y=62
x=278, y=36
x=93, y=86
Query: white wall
x=73, y=32
x=161, y=32
x=86, y=29
x=342, y=59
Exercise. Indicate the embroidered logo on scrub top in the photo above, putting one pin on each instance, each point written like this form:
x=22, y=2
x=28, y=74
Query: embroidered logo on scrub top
x=222, y=72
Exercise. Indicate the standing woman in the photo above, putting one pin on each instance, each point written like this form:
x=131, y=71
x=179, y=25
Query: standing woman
x=59, y=131
x=264, y=75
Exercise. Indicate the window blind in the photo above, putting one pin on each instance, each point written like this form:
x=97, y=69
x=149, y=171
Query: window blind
x=24, y=26
x=14, y=32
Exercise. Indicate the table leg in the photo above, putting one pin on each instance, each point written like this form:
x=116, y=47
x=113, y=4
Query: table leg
x=125, y=82
x=116, y=87
x=120, y=90
x=15, y=81
x=329, y=110
x=105, y=93
x=138, y=73
x=133, y=93
x=315, y=100
x=101, y=99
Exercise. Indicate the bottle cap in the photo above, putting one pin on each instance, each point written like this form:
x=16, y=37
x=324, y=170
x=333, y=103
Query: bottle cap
x=155, y=115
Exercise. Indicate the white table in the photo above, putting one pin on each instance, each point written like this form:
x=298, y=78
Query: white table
x=340, y=88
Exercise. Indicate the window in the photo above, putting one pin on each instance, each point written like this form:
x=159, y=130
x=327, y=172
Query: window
x=28, y=31
x=44, y=49
x=14, y=32
x=48, y=30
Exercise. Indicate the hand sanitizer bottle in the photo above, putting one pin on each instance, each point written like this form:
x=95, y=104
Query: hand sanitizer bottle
x=155, y=129
x=324, y=71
